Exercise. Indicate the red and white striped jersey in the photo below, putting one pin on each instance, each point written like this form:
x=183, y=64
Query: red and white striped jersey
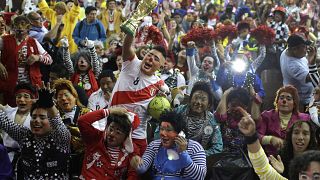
x=133, y=91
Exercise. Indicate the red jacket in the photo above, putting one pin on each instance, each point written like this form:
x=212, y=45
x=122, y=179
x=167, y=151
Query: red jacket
x=96, y=162
x=93, y=82
x=9, y=58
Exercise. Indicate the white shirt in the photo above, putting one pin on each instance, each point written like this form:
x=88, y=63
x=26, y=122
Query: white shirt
x=133, y=97
x=97, y=101
x=7, y=140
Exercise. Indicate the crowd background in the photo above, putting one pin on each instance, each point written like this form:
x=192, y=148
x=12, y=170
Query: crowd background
x=239, y=79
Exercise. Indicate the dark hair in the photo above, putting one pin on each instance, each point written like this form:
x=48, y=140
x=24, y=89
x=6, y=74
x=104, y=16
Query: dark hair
x=89, y=9
x=107, y=73
x=175, y=119
x=203, y=86
x=210, y=55
x=26, y=86
x=60, y=70
x=85, y=55
x=21, y=18
x=294, y=92
x=34, y=106
x=243, y=25
x=302, y=162
x=211, y=6
x=287, y=153
x=162, y=50
x=122, y=121
x=240, y=94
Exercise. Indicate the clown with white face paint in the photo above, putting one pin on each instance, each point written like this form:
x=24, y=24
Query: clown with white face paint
x=172, y=154
x=206, y=72
x=25, y=97
x=86, y=69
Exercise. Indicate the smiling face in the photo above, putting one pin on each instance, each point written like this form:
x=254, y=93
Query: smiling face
x=24, y=102
x=83, y=64
x=167, y=134
x=66, y=101
x=39, y=123
x=207, y=64
x=285, y=103
x=152, y=62
x=300, y=137
x=199, y=103
x=115, y=135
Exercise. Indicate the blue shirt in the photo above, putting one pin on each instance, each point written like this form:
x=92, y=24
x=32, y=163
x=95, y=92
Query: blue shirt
x=89, y=31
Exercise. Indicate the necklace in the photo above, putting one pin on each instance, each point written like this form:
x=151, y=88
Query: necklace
x=111, y=15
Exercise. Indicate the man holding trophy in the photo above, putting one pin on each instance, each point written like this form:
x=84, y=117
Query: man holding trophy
x=137, y=83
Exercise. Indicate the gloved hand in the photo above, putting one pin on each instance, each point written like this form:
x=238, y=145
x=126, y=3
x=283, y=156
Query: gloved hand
x=90, y=44
x=45, y=96
x=64, y=42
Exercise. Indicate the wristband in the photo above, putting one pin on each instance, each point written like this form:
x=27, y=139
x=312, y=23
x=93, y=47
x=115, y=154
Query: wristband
x=190, y=51
x=251, y=139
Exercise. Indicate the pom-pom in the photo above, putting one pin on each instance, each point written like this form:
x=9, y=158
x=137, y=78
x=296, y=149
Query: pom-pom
x=264, y=35
x=154, y=35
x=224, y=31
x=202, y=36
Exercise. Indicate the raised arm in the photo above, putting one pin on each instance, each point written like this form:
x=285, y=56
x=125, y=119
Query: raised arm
x=94, y=58
x=257, y=156
x=66, y=55
x=215, y=56
x=191, y=61
x=16, y=131
x=127, y=50
x=262, y=54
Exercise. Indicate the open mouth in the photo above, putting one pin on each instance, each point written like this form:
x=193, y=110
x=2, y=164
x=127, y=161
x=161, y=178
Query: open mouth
x=165, y=141
x=36, y=127
x=147, y=66
x=300, y=145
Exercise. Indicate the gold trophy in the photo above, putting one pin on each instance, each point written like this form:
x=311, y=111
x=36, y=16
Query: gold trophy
x=143, y=9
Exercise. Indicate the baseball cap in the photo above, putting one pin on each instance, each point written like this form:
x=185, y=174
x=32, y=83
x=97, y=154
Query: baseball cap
x=297, y=39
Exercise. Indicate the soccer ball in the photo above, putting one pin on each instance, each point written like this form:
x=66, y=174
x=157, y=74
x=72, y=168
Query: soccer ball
x=157, y=106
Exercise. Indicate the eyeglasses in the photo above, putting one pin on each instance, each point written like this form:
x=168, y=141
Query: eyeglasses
x=288, y=98
x=305, y=176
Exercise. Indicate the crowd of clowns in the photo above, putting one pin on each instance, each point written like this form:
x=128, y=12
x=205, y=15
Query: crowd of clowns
x=199, y=89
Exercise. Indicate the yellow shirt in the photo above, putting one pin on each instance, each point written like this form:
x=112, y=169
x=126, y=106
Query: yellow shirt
x=262, y=167
x=69, y=20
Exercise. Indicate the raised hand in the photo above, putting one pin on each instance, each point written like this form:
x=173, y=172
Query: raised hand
x=117, y=110
x=246, y=125
x=45, y=95
x=181, y=142
x=277, y=164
